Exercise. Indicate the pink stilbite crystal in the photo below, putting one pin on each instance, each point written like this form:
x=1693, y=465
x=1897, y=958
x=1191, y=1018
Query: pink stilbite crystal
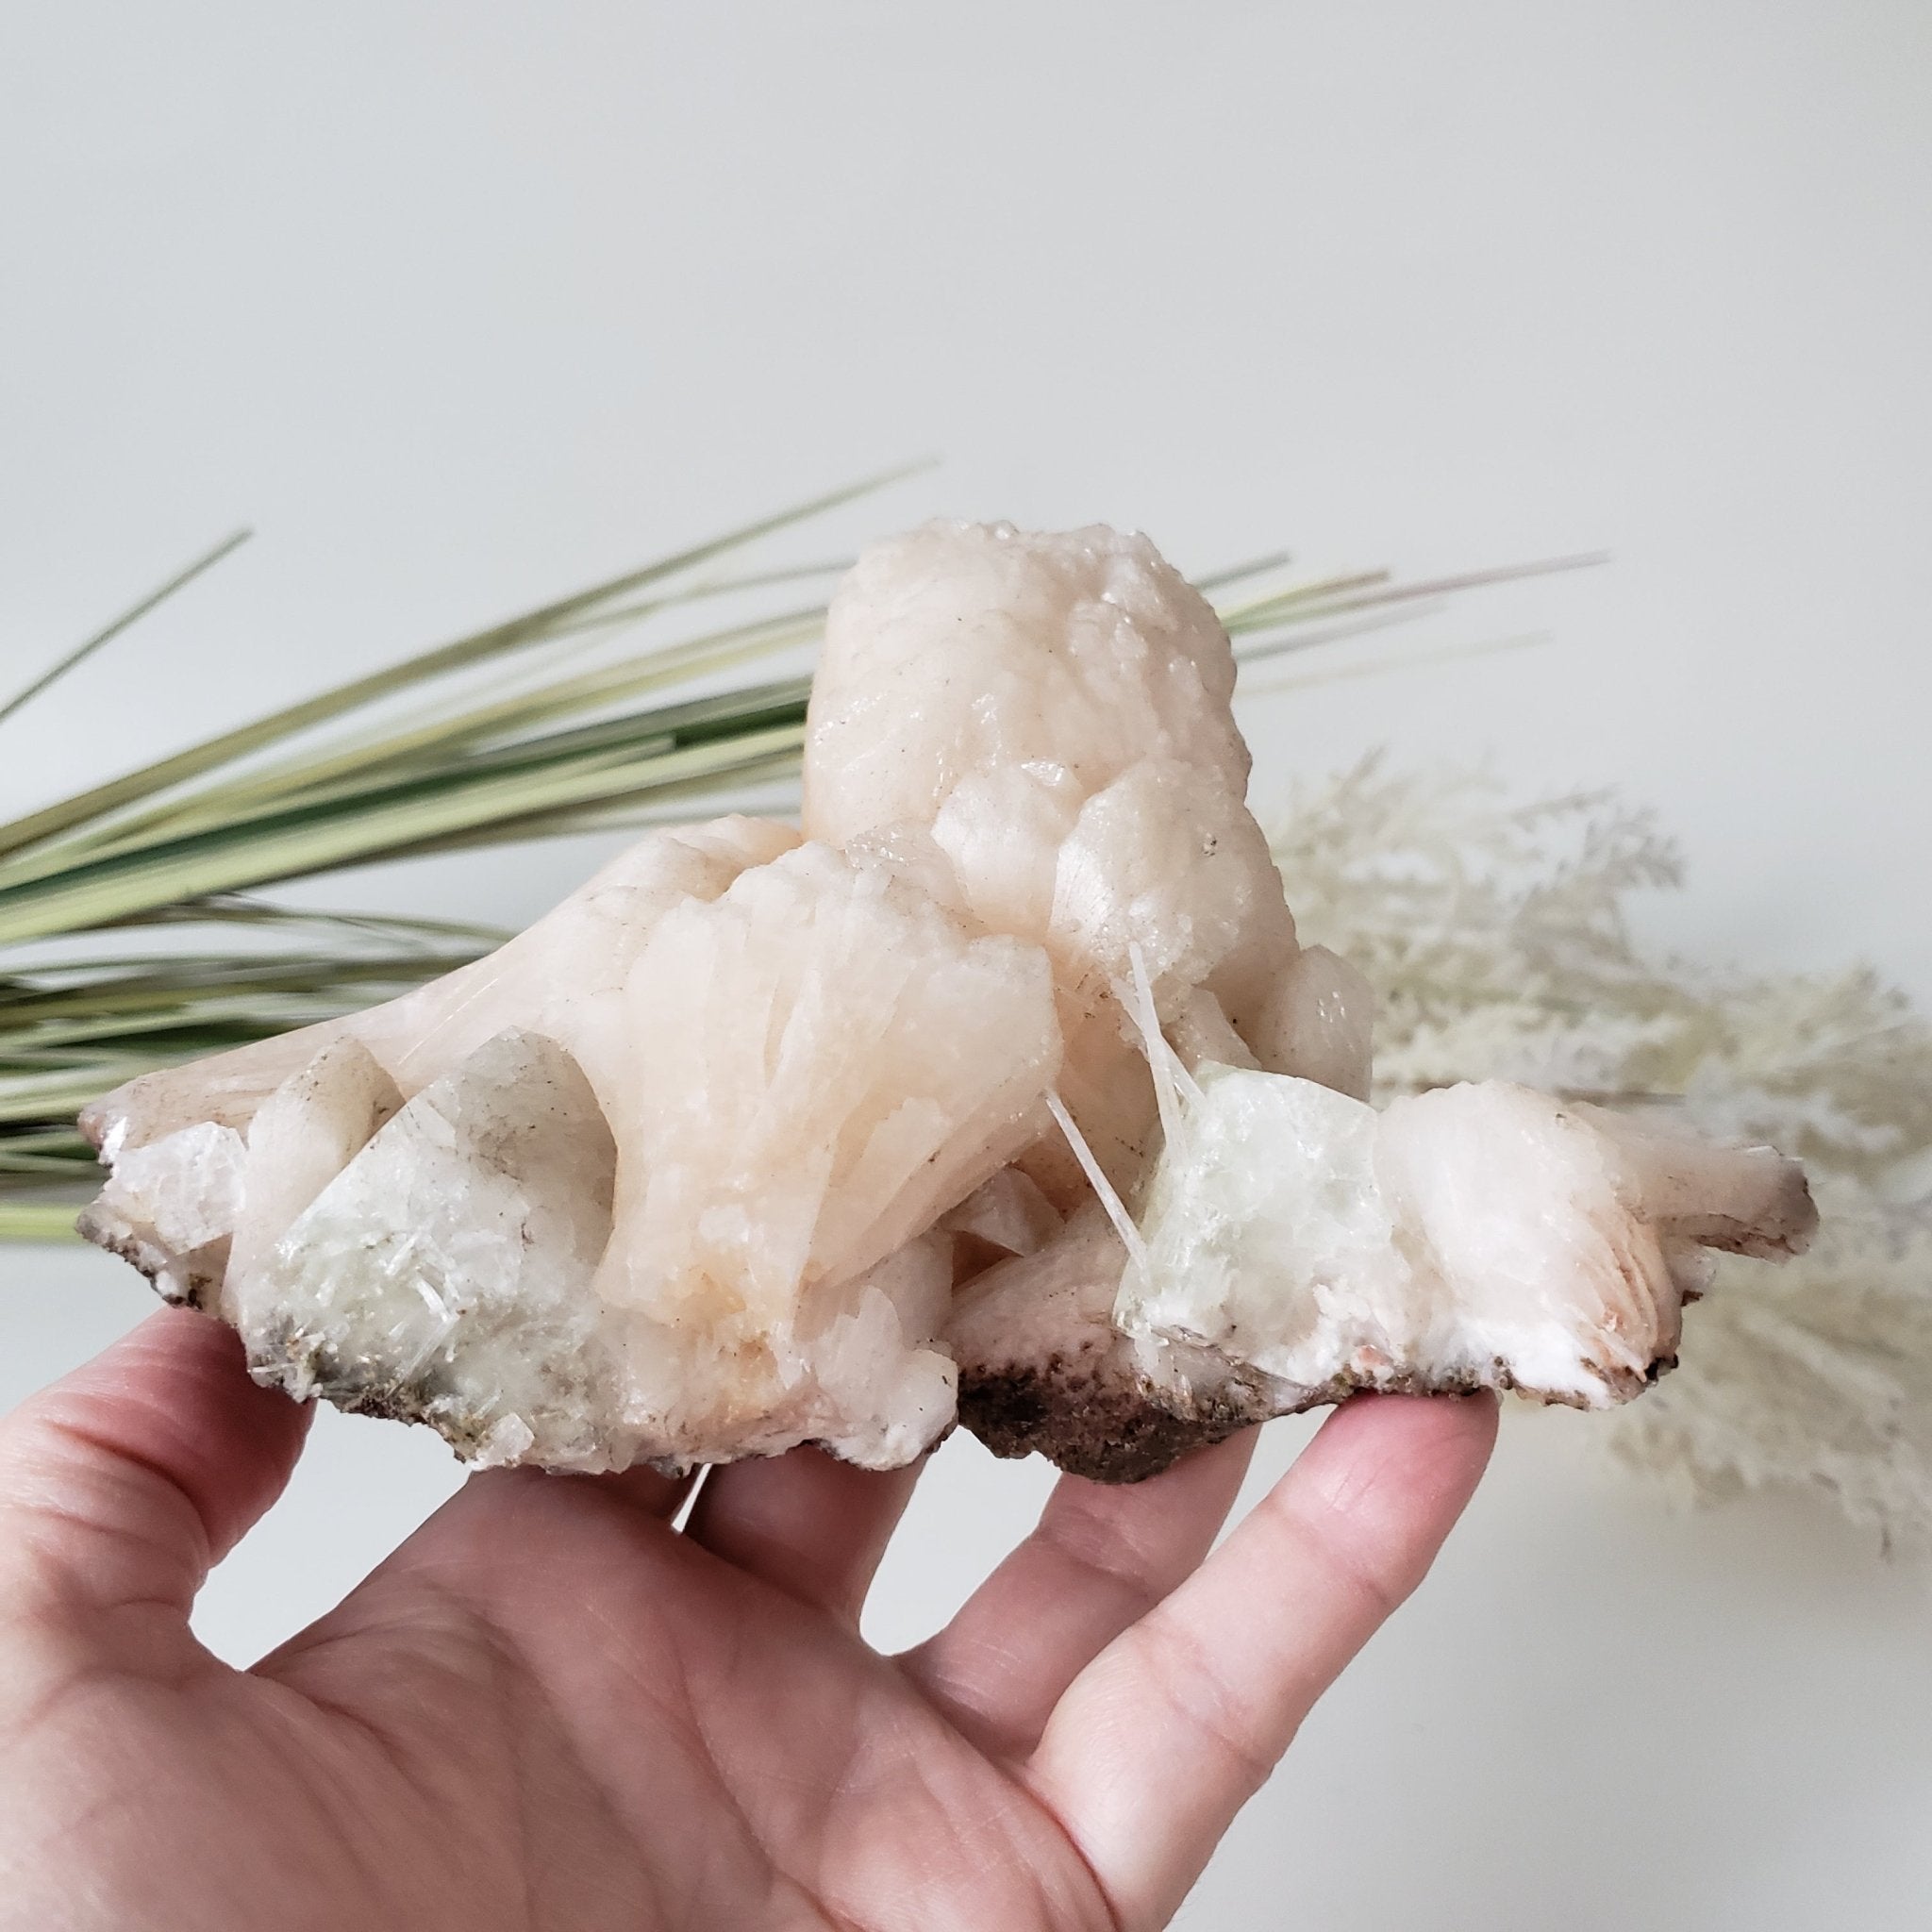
x=760, y=1138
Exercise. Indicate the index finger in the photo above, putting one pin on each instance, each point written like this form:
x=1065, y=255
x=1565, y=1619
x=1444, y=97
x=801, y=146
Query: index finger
x=1163, y=1738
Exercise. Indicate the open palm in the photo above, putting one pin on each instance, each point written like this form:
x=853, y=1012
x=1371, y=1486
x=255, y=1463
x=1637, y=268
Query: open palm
x=553, y=1708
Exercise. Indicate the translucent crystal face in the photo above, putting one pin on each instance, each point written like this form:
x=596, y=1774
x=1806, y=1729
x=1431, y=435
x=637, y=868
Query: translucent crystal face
x=1476, y=1236
x=446, y=1269
x=752, y=1141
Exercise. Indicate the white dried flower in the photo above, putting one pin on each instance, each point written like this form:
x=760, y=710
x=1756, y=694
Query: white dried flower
x=1497, y=940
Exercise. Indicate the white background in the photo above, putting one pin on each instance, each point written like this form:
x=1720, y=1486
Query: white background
x=462, y=305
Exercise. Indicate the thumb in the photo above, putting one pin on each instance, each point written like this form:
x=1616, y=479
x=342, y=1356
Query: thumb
x=128, y=1480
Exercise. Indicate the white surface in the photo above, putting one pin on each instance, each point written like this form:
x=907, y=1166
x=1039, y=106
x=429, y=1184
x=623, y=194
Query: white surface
x=466, y=305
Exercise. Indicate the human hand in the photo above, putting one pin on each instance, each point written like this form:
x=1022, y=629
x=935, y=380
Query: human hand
x=552, y=1709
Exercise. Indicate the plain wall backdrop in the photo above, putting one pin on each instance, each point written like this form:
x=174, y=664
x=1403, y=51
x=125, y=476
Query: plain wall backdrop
x=463, y=305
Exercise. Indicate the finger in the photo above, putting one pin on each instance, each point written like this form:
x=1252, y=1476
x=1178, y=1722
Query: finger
x=641, y=1489
x=1101, y=1557
x=1166, y=1735
x=805, y=1521
x=131, y=1479
x=506, y=1534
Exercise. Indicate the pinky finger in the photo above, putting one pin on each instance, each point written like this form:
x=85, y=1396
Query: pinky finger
x=1163, y=1738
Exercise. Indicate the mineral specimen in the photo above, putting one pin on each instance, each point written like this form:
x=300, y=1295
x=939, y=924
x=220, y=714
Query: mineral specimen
x=1006, y=1090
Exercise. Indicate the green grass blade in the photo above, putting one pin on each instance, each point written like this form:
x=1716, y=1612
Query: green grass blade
x=153, y=599
x=1278, y=605
x=83, y=1012
x=30, y=1221
x=651, y=732
x=37, y=1169
x=46, y=1140
x=1313, y=602
x=228, y=746
x=439, y=746
x=349, y=831
x=669, y=804
x=1413, y=660
x=1242, y=572
x=1298, y=637
x=236, y=909
x=61, y=1093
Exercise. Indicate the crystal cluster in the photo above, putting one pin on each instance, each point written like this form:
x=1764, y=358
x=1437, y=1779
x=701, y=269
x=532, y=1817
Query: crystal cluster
x=1002, y=1090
